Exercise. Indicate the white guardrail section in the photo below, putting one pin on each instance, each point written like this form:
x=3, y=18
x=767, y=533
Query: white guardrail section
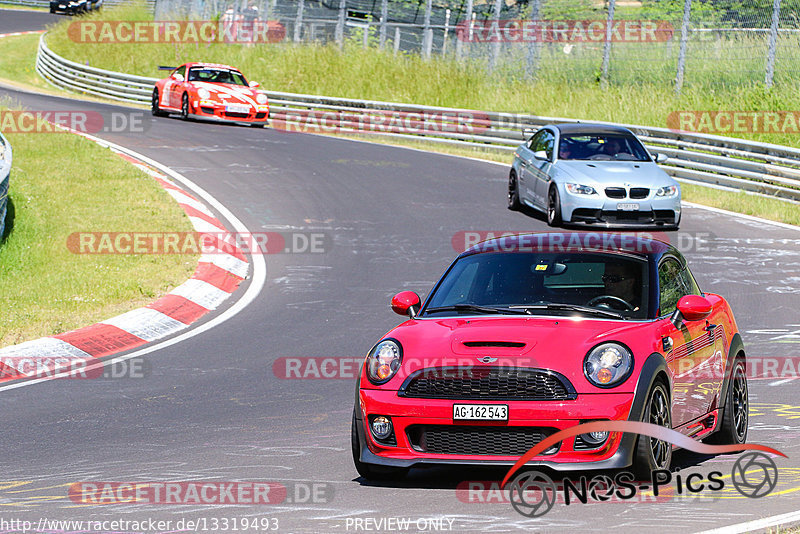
x=5, y=173
x=711, y=160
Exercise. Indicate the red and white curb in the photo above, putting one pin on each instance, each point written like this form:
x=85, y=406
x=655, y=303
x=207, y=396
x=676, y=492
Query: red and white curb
x=21, y=33
x=217, y=276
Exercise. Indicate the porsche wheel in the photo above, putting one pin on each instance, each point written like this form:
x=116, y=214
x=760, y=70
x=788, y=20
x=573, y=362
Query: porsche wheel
x=651, y=453
x=370, y=471
x=513, y=192
x=553, y=207
x=736, y=413
x=154, y=107
x=185, y=107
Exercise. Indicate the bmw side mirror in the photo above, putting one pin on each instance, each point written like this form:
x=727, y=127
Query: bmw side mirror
x=540, y=154
x=178, y=76
x=661, y=158
x=691, y=308
x=406, y=303
x=255, y=84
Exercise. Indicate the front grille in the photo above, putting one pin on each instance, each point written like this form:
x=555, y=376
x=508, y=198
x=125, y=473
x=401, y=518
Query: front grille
x=639, y=192
x=627, y=216
x=477, y=440
x=204, y=109
x=236, y=115
x=260, y=115
x=496, y=383
x=666, y=216
x=615, y=192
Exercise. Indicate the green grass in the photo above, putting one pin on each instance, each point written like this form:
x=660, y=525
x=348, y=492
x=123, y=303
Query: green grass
x=18, y=61
x=44, y=288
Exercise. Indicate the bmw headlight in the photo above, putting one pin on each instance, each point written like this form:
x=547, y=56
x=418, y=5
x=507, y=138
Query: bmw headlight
x=608, y=365
x=579, y=189
x=261, y=98
x=203, y=93
x=383, y=361
x=667, y=191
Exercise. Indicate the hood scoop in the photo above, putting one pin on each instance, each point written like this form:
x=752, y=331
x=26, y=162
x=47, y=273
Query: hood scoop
x=494, y=344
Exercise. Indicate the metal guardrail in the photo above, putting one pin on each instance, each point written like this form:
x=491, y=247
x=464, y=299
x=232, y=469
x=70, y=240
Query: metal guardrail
x=5, y=178
x=46, y=3
x=710, y=160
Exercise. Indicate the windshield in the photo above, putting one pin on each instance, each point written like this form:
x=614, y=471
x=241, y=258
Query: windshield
x=600, y=284
x=212, y=75
x=601, y=147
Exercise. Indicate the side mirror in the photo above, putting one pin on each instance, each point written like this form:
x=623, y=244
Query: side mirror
x=255, y=84
x=178, y=77
x=406, y=303
x=661, y=158
x=541, y=154
x=693, y=308
x=528, y=132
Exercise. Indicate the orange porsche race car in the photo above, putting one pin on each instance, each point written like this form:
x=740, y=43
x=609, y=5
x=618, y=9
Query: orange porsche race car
x=210, y=91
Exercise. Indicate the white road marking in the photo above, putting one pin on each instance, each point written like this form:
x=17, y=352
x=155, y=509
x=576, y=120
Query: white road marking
x=758, y=524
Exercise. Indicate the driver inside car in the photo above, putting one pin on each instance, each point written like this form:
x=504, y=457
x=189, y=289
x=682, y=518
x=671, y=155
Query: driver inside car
x=621, y=280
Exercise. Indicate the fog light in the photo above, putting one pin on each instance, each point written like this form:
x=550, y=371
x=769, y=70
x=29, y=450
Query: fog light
x=594, y=438
x=381, y=427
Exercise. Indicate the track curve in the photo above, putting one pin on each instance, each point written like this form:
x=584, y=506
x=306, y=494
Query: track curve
x=212, y=408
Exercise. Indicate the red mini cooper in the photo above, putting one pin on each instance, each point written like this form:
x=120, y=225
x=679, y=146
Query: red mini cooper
x=210, y=91
x=527, y=335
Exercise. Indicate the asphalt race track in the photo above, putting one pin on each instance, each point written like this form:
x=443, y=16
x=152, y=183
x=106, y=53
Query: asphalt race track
x=212, y=409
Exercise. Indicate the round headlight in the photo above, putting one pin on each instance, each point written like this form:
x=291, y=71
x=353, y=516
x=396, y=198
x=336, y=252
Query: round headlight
x=203, y=93
x=383, y=361
x=608, y=365
x=261, y=98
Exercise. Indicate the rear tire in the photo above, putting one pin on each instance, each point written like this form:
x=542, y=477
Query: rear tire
x=736, y=413
x=370, y=471
x=650, y=453
x=553, y=207
x=154, y=107
x=513, y=192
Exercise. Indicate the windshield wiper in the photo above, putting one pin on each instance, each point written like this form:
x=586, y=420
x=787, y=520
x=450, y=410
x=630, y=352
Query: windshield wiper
x=477, y=309
x=569, y=307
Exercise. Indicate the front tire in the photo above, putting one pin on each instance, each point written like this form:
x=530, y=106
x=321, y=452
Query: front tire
x=370, y=471
x=553, y=207
x=185, y=107
x=651, y=453
x=513, y=192
x=736, y=413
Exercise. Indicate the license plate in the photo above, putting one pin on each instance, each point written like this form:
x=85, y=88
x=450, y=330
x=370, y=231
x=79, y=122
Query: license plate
x=233, y=108
x=480, y=412
x=628, y=206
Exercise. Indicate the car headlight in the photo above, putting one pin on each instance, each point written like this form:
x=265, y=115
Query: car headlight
x=667, y=191
x=383, y=361
x=261, y=98
x=203, y=93
x=608, y=365
x=579, y=189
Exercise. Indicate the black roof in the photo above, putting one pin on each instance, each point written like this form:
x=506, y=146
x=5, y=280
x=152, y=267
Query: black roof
x=591, y=128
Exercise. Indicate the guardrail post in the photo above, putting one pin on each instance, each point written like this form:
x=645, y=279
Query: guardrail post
x=532, y=55
x=396, y=39
x=498, y=4
x=384, y=16
x=687, y=11
x=773, y=42
x=607, y=45
x=298, y=22
x=427, y=33
x=339, y=36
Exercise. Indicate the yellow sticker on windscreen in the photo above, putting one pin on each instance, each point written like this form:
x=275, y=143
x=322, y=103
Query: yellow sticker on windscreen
x=541, y=267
